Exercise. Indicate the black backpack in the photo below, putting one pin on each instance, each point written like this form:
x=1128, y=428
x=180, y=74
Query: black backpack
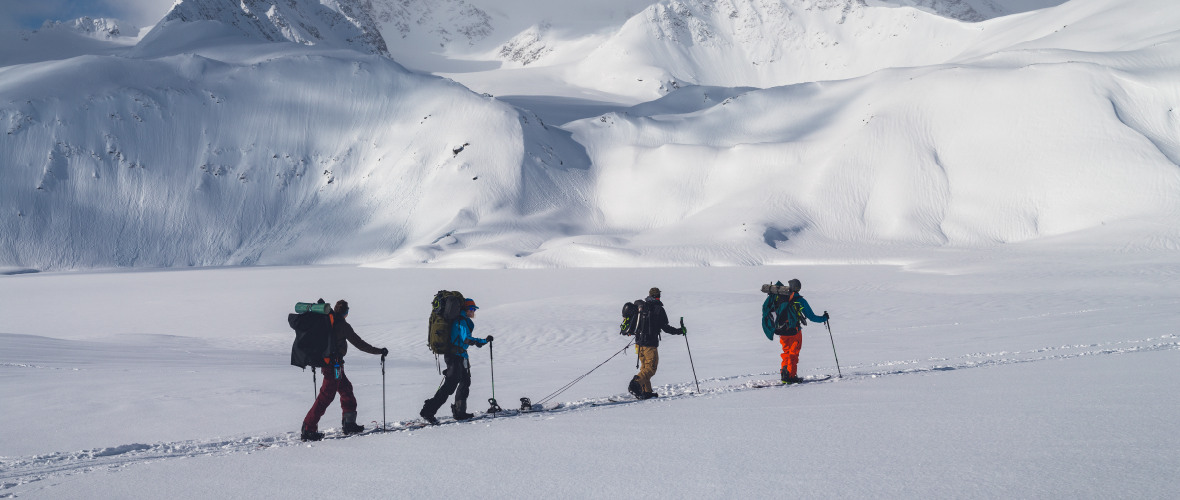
x=313, y=344
x=648, y=311
x=630, y=317
x=443, y=311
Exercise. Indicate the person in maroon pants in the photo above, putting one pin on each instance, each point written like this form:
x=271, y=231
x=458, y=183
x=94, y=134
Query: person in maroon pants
x=335, y=380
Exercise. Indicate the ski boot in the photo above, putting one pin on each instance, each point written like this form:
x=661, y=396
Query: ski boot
x=634, y=388
x=348, y=424
x=459, y=411
x=428, y=418
x=309, y=435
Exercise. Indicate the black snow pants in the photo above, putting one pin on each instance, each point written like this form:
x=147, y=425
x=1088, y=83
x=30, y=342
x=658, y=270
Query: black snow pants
x=458, y=376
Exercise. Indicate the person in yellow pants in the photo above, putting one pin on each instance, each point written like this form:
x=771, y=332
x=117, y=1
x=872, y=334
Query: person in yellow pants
x=652, y=320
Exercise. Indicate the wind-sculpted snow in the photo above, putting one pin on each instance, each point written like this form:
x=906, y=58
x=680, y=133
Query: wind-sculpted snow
x=345, y=23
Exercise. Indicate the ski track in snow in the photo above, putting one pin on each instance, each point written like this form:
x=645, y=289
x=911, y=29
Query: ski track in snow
x=25, y=470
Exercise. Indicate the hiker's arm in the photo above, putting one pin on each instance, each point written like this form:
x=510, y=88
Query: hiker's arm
x=668, y=329
x=360, y=343
x=809, y=313
x=465, y=335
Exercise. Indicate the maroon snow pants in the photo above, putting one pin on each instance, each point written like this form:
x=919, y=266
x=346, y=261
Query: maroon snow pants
x=328, y=391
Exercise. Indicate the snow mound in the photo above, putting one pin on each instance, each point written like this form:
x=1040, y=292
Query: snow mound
x=1016, y=146
x=340, y=23
x=686, y=100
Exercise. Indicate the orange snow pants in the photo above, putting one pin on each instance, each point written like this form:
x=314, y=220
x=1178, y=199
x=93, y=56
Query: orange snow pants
x=791, y=345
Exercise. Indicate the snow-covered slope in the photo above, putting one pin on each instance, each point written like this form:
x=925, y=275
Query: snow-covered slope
x=451, y=35
x=1022, y=144
x=766, y=43
x=259, y=152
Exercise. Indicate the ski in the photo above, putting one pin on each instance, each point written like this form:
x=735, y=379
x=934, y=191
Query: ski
x=613, y=401
x=761, y=384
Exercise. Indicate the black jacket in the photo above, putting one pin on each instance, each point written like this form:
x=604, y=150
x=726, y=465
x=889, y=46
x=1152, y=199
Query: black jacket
x=652, y=320
x=343, y=334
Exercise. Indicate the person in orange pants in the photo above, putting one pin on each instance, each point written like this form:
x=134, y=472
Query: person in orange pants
x=792, y=312
x=791, y=343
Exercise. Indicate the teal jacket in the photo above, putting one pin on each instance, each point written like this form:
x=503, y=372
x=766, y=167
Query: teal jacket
x=461, y=335
x=779, y=306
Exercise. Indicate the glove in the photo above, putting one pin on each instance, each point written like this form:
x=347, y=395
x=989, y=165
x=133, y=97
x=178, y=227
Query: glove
x=384, y=351
x=825, y=315
x=490, y=338
x=684, y=330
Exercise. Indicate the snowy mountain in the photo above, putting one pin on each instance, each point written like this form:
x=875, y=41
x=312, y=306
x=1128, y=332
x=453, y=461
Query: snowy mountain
x=1055, y=135
x=101, y=28
x=57, y=40
x=765, y=43
x=341, y=23
x=256, y=152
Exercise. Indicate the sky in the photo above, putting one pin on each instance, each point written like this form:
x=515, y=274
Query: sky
x=29, y=14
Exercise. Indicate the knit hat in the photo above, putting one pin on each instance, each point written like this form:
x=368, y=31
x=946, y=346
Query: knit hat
x=469, y=304
x=654, y=292
x=341, y=307
x=794, y=285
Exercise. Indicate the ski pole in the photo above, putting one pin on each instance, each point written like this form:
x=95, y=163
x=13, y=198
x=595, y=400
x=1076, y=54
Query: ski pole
x=313, y=385
x=694, y=368
x=382, y=393
x=828, y=323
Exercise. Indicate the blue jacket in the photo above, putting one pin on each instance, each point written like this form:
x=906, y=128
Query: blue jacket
x=768, y=325
x=461, y=335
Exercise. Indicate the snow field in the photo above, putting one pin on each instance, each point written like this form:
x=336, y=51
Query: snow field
x=1003, y=372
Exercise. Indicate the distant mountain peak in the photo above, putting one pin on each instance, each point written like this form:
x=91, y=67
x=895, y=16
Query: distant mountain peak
x=446, y=20
x=309, y=22
x=100, y=27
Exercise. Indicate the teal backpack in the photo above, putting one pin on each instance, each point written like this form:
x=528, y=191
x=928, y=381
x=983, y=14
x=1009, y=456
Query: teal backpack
x=780, y=310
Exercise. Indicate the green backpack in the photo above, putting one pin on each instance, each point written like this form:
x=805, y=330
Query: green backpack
x=446, y=307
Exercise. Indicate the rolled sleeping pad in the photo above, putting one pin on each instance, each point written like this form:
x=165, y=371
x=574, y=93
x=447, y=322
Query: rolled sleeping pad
x=776, y=289
x=303, y=307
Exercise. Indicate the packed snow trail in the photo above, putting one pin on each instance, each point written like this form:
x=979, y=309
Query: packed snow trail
x=20, y=471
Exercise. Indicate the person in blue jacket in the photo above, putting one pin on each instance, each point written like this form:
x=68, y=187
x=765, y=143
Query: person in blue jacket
x=458, y=372
x=790, y=310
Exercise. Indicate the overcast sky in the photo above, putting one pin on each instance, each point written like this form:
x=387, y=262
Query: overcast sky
x=29, y=14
